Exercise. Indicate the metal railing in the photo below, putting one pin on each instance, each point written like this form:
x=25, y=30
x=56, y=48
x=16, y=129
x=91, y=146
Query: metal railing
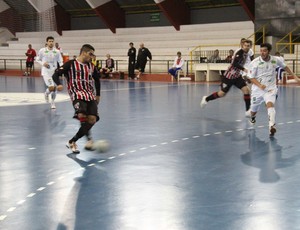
x=289, y=41
x=153, y=66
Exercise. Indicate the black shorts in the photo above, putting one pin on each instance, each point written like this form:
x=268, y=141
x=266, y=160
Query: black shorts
x=85, y=107
x=140, y=66
x=29, y=64
x=227, y=83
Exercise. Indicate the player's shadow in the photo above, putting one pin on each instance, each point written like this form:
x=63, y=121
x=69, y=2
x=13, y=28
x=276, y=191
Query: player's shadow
x=86, y=205
x=266, y=156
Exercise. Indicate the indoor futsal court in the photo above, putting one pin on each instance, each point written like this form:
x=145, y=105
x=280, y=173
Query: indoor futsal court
x=171, y=165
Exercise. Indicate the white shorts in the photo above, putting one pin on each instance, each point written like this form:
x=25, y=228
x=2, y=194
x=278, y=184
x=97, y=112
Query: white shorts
x=47, y=76
x=258, y=98
x=48, y=81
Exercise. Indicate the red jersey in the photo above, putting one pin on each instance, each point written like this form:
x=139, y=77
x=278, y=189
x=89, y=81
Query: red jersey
x=30, y=55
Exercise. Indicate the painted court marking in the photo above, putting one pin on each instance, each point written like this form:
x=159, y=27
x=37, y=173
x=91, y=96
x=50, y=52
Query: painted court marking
x=21, y=99
x=31, y=195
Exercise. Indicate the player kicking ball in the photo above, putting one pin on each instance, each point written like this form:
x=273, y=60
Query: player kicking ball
x=262, y=73
x=83, y=81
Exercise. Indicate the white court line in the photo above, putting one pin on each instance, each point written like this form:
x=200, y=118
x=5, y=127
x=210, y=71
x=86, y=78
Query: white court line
x=143, y=148
x=41, y=188
x=21, y=202
x=31, y=194
x=11, y=209
x=2, y=217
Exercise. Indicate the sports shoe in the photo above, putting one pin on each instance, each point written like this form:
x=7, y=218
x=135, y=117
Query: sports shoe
x=47, y=97
x=73, y=147
x=272, y=130
x=203, y=102
x=248, y=113
x=252, y=120
x=53, y=105
x=89, y=145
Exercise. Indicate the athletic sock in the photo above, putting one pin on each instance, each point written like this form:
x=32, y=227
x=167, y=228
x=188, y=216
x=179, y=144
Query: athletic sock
x=83, y=130
x=213, y=96
x=89, y=135
x=53, y=95
x=271, y=114
x=247, y=100
x=47, y=91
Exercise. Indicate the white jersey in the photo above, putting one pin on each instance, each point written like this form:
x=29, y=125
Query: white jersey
x=177, y=64
x=280, y=58
x=52, y=57
x=265, y=73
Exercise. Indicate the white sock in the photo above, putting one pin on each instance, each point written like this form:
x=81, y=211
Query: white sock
x=53, y=95
x=271, y=114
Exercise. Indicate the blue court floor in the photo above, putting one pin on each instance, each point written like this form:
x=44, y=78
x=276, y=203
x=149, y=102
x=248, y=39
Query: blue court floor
x=171, y=165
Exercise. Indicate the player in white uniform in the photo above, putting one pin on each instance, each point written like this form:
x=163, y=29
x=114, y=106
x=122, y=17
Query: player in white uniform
x=279, y=70
x=264, y=89
x=49, y=57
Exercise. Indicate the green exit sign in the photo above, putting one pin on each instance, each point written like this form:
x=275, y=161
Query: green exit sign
x=155, y=17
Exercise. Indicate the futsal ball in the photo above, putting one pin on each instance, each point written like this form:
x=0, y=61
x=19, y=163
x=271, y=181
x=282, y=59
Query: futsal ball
x=101, y=146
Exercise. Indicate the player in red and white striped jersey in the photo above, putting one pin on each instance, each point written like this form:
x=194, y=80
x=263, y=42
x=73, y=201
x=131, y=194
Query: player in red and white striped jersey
x=232, y=76
x=83, y=83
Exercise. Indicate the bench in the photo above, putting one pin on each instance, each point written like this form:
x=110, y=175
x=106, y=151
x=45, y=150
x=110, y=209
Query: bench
x=209, y=71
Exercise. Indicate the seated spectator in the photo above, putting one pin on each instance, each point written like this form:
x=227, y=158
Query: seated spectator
x=215, y=57
x=279, y=70
x=109, y=66
x=97, y=63
x=229, y=58
x=177, y=65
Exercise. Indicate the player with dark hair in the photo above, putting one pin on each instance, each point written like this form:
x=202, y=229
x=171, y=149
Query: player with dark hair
x=232, y=76
x=262, y=73
x=83, y=82
x=49, y=58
